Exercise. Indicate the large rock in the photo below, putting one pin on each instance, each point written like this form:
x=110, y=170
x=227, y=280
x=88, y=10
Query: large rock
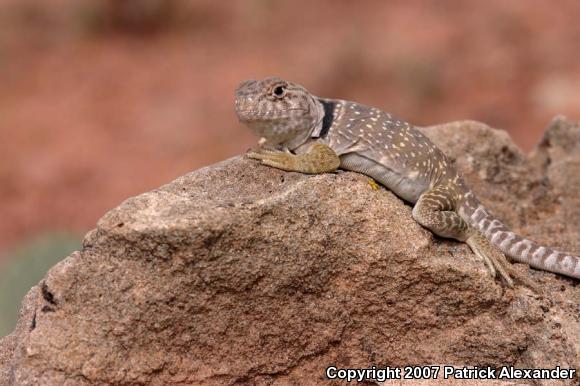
x=242, y=273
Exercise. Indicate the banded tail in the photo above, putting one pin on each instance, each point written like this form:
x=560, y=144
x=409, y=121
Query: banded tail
x=515, y=246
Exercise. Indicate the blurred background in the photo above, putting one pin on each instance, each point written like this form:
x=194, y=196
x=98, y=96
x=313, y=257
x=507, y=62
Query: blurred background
x=104, y=99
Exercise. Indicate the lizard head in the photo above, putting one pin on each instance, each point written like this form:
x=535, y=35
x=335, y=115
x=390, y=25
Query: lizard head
x=279, y=111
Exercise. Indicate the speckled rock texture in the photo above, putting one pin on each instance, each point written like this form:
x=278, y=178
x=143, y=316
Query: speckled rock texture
x=240, y=273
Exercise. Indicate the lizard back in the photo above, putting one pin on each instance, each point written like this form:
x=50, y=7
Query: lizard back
x=380, y=145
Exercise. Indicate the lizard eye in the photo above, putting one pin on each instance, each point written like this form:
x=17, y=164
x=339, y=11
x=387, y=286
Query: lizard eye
x=279, y=91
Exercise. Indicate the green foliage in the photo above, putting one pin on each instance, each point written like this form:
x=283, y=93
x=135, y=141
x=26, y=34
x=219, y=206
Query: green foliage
x=25, y=267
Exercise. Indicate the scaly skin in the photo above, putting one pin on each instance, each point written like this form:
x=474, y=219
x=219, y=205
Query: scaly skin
x=304, y=133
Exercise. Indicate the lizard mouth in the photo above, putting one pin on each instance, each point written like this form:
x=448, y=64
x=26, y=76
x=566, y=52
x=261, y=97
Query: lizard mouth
x=269, y=115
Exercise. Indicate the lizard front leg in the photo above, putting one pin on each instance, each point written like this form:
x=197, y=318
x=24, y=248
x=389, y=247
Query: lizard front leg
x=318, y=158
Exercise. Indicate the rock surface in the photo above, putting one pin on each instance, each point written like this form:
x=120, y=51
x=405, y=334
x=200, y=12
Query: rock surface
x=239, y=273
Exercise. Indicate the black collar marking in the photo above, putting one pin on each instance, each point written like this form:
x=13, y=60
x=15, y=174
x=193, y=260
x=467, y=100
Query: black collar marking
x=328, y=117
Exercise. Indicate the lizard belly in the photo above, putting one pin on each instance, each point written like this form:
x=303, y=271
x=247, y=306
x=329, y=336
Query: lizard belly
x=403, y=186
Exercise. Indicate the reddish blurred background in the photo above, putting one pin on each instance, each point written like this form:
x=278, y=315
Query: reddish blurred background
x=101, y=100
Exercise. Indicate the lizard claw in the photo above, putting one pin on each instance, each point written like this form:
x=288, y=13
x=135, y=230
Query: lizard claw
x=493, y=258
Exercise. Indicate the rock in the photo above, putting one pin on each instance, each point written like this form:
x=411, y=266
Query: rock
x=242, y=273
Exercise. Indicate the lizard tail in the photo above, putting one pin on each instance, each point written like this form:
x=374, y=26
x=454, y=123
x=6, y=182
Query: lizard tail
x=515, y=246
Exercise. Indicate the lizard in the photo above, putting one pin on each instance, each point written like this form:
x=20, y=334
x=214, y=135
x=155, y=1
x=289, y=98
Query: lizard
x=304, y=133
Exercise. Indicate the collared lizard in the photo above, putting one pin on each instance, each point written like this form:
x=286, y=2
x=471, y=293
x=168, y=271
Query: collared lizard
x=304, y=133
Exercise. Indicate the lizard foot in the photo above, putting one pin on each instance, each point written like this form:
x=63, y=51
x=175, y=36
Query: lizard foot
x=498, y=264
x=493, y=258
x=275, y=158
x=317, y=159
